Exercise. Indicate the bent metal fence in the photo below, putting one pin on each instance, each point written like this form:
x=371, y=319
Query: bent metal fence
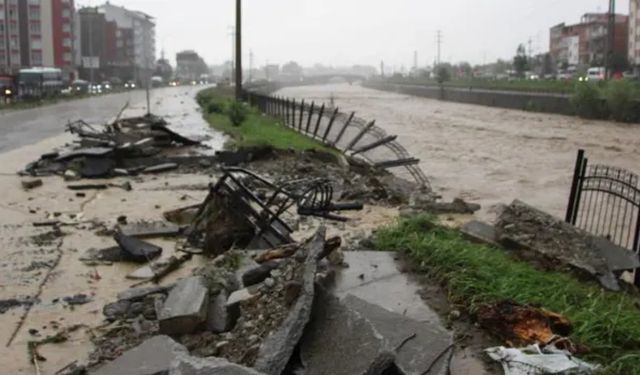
x=605, y=201
x=345, y=132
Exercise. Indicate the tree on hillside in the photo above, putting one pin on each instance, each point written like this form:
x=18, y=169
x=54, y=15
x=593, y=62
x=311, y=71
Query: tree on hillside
x=521, y=62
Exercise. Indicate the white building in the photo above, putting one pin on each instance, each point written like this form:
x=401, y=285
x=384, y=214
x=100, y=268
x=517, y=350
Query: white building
x=144, y=34
x=634, y=34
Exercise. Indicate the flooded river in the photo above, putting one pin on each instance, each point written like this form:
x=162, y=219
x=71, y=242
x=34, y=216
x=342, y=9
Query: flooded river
x=488, y=155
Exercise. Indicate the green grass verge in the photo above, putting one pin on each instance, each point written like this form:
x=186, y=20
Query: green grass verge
x=257, y=129
x=608, y=323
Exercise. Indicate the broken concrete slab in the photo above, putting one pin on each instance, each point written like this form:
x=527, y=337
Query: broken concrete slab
x=97, y=167
x=552, y=242
x=136, y=250
x=185, y=308
x=277, y=348
x=242, y=295
x=149, y=229
x=617, y=258
x=90, y=151
x=31, y=184
x=430, y=345
x=376, y=277
x=162, y=355
x=481, y=232
x=340, y=341
x=160, y=168
x=111, y=254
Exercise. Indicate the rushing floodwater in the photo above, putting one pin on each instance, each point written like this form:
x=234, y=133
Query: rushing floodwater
x=489, y=155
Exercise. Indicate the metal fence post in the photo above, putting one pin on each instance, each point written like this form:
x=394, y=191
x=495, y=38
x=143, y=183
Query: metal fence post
x=301, y=116
x=310, y=116
x=333, y=119
x=315, y=131
x=574, y=187
x=344, y=129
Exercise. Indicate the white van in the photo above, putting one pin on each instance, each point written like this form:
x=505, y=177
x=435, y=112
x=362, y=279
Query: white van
x=596, y=74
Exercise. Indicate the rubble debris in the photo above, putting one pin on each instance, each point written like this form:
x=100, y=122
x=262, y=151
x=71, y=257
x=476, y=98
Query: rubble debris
x=235, y=213
x=88, y=187
x=182, y=216
x=147, y=306
x=111, y=254
x=259, y=274
x=135, y=250
x=241, y=295
x=149, y=229
x=156, y=271
x=521, y=325
x=135, y=294
x=533, y=360
x=95, y=167
x=220, y=317
x=78, y=299
x=277, y=347
x=540, y=237
x=160, y=168
x=162, y=355
x=31, y=184
x=185, y=308
x=8, y=304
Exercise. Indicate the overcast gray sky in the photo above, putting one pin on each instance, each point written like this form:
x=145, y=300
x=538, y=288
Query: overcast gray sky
x=347, y=32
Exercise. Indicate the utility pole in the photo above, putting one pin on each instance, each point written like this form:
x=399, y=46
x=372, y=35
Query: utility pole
x=232, y=34
x=250, y=65
x=238, y=49
x=439, y=43
x=415, y=61
x=610, y=44
x=382, y=68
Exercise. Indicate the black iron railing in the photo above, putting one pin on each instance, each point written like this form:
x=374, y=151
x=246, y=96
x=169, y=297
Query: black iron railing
x=342, y=131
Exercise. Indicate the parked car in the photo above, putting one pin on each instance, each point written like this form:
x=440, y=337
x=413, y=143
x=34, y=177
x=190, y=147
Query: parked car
x=106, y=86
x=7, y=87
x=80, y=86
x=130, y=85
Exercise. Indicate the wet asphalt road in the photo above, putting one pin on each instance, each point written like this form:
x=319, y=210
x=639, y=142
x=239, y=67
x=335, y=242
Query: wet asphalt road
x=24, y=127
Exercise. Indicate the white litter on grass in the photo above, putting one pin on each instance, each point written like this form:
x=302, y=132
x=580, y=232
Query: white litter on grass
x=533, y=361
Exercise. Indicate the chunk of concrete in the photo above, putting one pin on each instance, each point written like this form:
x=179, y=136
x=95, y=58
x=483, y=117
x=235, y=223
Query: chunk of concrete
x=537, y=234
x=420, y=345
x=161, y=355
x=160, y=168
x=340, y=341
x=185, y=308
x=136, y=294
x=221, y=318
x=259, y=274
x=150, y=229
x=136, y=250
x=31, y=184
x=242, y=295
x=478, y=231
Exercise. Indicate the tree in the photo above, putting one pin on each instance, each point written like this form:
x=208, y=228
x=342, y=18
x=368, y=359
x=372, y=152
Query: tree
x=443, y=73
x=292, y=68
x=521, y=62
x=464, y=70
x=619, y=63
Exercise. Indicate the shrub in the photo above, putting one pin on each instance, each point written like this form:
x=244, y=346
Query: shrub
x=620, y=101
x=237, y=113
x=215, y=107
x=586, y=100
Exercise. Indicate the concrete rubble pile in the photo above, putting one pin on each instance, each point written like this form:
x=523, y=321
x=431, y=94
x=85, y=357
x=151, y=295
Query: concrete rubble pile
x=128, y=146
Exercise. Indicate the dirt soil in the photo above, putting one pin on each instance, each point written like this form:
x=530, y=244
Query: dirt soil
x=488, y=155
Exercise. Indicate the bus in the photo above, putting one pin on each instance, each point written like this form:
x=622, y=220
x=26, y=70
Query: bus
x=40, y=82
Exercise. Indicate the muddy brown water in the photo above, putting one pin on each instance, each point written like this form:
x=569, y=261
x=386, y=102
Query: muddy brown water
x=488, y=155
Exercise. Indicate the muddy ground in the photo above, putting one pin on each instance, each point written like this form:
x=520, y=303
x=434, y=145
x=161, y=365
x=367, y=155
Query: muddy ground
x=488, y=155
x=42, y=267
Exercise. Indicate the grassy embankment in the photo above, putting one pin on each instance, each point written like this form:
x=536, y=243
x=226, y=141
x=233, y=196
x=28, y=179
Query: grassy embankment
x=607, y=323
x=256, y=129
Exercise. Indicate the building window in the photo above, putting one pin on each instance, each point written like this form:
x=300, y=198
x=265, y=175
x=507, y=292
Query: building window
x=36, y=58
x=34, y=14
x=34, y=27
x=66, y=42
x=67, y=57
x=66, y=13
x=66, y=28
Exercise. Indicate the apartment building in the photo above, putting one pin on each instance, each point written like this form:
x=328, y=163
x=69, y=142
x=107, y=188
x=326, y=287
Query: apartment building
x=634, y=35
x=37, y=33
